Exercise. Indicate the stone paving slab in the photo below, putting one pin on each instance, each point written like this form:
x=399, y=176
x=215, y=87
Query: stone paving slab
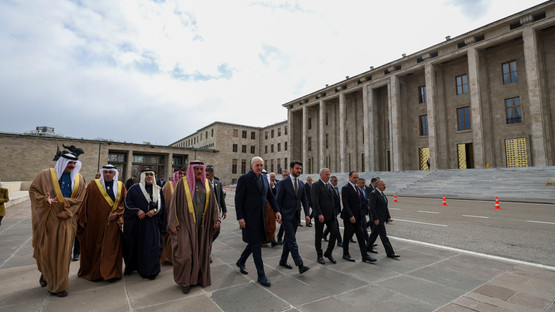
x=425, y=278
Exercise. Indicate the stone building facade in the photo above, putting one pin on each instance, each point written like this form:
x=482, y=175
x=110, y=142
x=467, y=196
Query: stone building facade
x=483, y=99
x=23, y=156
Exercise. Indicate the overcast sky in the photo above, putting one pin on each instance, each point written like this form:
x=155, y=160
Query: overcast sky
x=159, y=70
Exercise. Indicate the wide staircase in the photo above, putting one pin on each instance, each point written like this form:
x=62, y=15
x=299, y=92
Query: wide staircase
x=509, y=184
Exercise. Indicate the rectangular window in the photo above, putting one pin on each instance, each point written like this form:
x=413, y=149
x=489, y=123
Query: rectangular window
x=512, y=107
x=253, y=150
x=235, y=133
x=279, y=131
x=309, y=123
x=279, y=147
x=462, y=84
x=243, y=148
x=423, y=124
x=244, y=134
x=463, y=118
x=422, y=94
x=253, y=135
x=272, y=148
x=266, y=149
x=243, y=166
x=309, y=144
x=509, y=72
x=285, y=162
x=326, y=119
x=234, y=166
x=235, y=148
x=285, y=130
x=285, y=146
x=266, y=135
x=272, y=133
x=271, y=165
x=326, y=140
x=212, y=132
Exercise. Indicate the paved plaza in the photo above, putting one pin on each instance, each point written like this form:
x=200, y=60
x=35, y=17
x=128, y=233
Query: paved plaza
x=426, y=278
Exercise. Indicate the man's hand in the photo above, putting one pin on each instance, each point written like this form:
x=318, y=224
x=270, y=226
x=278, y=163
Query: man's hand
x=321, y=218
x=224, y=215
x=113, y=216
x=352, y=219
x=217, y=224
x=141, y=214
x=51, y=200
x=278, y=217
x=63, y=215
x=175, y=229
x=150, y=213
x=377, y=222
x=388, y=220
x=242, y=223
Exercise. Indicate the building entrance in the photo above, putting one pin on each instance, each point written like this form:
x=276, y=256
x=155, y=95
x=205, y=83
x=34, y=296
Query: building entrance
x=515, y=151
x=424, y=158
x=465, y=153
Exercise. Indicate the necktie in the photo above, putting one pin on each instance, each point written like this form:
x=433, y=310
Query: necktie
x=296, y=187
x=358, y=193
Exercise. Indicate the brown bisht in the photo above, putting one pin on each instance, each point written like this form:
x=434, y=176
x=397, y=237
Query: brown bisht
x=101, y=239
x=192, y=245
x=53, y=237
x=166, y=240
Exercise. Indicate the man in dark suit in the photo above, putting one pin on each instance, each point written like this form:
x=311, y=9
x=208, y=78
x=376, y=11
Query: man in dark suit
x=290, y=195
x=366, y=194
x=220, y=195
x=323, y=206
x=379, y=214
x=308, y=188
x=250, y=204
x=352, y=205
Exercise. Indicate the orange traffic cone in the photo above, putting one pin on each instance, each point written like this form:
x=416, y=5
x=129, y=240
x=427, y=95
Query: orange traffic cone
x=231, y=188
x=395, y=198
x=444, y=203
x=497, y=203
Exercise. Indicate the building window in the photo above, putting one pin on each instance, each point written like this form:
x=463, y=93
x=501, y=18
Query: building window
x=266, y=135
x=235, y=148
x=271, y=165
x=422, y=94
x=285, y=146
x=253, y=135
x=272, y=133
x=423, y=124
x=272, y=148
x=326, y=119
x=212, y=133
x=512, y=106
x=253, y=150
x=285, y=162
x=244, y=166
x=244, y=134
x=243, y=148
x=234, y=166
x=463, y=118
x=279, y=131
x=266, y=149
x=462, y=84
x=347, y=138
x=509, y=72
x=235, y=133
x=326, y=140
x=309, y=123
x=279, y=147
x=309, y=144
x=279, y=165
x=285, y=130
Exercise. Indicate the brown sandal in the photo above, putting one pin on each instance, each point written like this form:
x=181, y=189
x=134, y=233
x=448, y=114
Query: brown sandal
x=42, y=282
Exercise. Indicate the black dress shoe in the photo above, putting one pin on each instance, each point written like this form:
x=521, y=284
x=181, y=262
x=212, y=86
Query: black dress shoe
x=264, y=281
x=393, y=256
x=326, y=239
x=62, y=293
x=309, y=225
x=353, y=241
x=242, y=268
x=300, y=225
x=372, y=250
x=368, y=259
x=303, y=269
x=75, y=258
x=185, y=289
x=348, y=258
x=274, y=244
x=331, y=258
x=340, y=244
x=152, y=277
x=285, y=265
x=321, y=260
x=42, y=281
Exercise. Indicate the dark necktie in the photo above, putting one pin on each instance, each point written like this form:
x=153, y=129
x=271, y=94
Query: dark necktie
x=296, y=187
x=358, y=193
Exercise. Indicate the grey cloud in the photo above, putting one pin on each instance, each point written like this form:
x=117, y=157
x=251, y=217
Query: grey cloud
x=472, y=9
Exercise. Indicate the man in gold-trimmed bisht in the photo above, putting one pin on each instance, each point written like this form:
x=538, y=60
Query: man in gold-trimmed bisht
x=56, y=194
x=193, y=220
x=168, y=190
x=99, y=227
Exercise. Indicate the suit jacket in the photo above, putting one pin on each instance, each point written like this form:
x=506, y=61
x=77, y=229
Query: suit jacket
x=220, y=195
x=378, y=207
x=307, y=188
x=336, y=200
x=323, y=201
x=288, y=202
x=352, y=203
x=366, y=192
x=250, y=204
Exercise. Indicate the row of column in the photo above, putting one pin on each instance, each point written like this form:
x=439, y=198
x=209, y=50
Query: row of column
x=437, y=144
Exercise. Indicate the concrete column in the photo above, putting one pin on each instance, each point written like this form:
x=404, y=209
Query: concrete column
x=342, y=129
x=395, y=125
x=476, y=108
x=169, y=166
x=305, y=139
x=367, y=110
x=538, y=144
x=322, y=137
x=429, y=72
x=129, y=165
